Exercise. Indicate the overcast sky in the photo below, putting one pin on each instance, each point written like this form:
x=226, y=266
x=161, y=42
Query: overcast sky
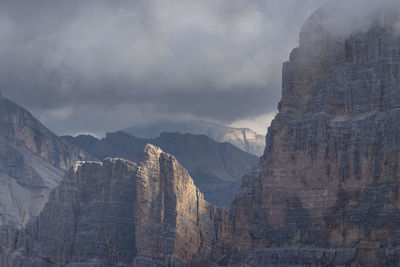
x=86, y=66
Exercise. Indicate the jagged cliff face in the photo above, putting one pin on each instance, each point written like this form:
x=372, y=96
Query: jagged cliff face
x=330, y=175
x=20, y=128
x=121, y=213
x=326, y=192
x=216, y=168
x=32, y=162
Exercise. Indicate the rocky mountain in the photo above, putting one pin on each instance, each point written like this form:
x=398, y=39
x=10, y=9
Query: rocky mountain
x=327, y=193
x=21, y=129
x=32, y=162
x=217, y=168
x=121, y=213
x=243, y=138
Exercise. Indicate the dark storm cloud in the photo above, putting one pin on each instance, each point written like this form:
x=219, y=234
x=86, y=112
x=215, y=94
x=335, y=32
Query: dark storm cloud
x=97, y=66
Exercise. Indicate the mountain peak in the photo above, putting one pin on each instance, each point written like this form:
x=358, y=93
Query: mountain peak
x=343, y=73
x=152, y=150
x=32, y=162
x=243, y=138
x=216, y=168
x=143, y=214
x=329, y=175
x=22, y=129
x=341, y=19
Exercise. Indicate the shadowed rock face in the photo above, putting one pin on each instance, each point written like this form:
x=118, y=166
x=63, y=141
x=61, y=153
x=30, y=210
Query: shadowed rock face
x=216, y=168
x=329, y=178
x=326, y=192
x=32, y=162
x=119, y=213
x=20, y=128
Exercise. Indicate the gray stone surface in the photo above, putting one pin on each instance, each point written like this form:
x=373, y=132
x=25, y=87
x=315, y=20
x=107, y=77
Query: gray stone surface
x=296, y=257
x=326, y=191
x=216, y=168
x=21, y=129
x=32, y=162
x=119, y=213
x=25, y=184
x=329, y=177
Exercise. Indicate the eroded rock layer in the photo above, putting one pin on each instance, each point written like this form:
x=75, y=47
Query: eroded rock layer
x=328, y=187
x=20, y=128
x=216, y=168
x=32, y=162
x=119, y=213
x=326, y=192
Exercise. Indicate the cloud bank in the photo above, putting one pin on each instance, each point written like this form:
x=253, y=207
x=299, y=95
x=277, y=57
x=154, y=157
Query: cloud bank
x=341, y=18
x=98, y=66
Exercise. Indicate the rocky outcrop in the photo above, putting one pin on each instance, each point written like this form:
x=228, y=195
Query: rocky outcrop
x=327, y=192
x=216, y=168
x=32, y=162
x=243, y=138
x=25, y=184
x=121, y=213
x=21, y=129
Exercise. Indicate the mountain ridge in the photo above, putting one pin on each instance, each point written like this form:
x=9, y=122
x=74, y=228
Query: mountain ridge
x=326, y=191
x=171, y=224
x=327, y=188
x=21, y=128
x=244, y=138
x=217, y=168
x=32, y=162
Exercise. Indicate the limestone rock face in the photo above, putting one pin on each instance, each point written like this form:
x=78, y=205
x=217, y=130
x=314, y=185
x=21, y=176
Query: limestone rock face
x=216, y=168
x=20, y=128
x=32, y=162
x=327, y=189
x=25, y=184
x=119, y=213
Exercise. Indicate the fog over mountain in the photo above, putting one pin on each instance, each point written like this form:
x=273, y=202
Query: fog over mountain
x=325, y=192
x=97, y=66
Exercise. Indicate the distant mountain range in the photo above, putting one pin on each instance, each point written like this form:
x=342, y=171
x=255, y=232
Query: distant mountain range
x=59, y=203
x=33, y=160
x=216, y=168
x=243, y=138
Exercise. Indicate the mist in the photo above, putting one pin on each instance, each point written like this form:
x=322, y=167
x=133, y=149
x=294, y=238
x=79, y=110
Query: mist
x=341, y=18
x=98, y=66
